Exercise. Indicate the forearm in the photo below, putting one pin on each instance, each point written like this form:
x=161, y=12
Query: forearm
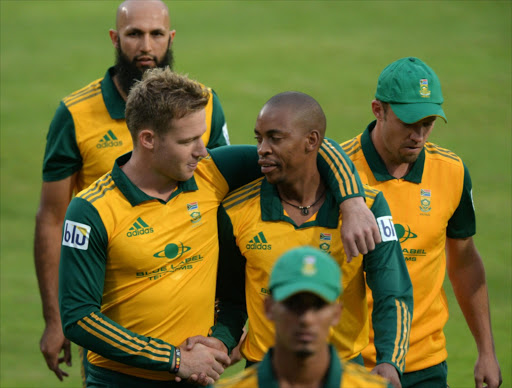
x=47, y=241
x=105, y=337
x=470, y=289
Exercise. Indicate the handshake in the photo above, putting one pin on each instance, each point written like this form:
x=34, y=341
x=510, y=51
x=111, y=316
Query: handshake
x=203, y=360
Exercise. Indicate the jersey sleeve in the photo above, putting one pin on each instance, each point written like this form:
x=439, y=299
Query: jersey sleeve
x=239, y=166
x=219, y=131
x=81, y=280
x=388, y=278
x=462, y=224
x=61, y=157
x=232, y=312
x=342, y=177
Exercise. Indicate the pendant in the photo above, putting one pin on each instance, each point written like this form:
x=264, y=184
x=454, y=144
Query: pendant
x=304, y=210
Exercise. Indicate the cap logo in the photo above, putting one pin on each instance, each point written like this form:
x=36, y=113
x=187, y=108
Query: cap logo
x=309, y=266
x=424, y=92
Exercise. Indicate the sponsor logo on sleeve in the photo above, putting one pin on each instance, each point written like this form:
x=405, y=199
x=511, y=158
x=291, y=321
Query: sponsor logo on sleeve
x=76, y=235
x=387, y=229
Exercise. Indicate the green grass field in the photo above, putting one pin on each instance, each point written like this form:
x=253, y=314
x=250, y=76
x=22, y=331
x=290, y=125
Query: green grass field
x=249, y=51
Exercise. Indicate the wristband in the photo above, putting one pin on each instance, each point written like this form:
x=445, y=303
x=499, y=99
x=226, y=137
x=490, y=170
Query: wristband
x=177, y=361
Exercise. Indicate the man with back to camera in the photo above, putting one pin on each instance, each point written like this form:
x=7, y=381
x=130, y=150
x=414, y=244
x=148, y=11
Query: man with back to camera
x=87, y=134
x=429, y=191
x=304, y=303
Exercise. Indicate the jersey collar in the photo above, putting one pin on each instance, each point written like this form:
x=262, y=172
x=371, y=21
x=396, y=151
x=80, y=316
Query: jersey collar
x=267, y=378
x=113, y=100
x=272, y=209
x=377, y=165
x=135, y=195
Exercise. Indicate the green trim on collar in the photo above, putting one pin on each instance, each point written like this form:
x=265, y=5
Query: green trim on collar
x=111, y=97
x=377, y=165
x=272, y=209
x=136, y=196
x=267, y=378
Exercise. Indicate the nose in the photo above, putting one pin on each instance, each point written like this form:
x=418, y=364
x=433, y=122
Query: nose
x=200, y=149
x=263, y=148
x=306, y=316
x=418, y=133
x=146, y=43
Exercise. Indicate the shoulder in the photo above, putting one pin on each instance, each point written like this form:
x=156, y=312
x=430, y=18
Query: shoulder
x=84, y=94
x=353, y=146
x=355, y=375
x=437, y=154
x=248, y=378
x=243, y=196
x=99, y=190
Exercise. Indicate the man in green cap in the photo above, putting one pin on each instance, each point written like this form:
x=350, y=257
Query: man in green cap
x=305, y=285
x=429, y=191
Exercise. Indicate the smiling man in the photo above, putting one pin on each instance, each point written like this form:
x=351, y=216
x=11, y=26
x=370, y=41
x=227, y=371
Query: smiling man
x=87, y=134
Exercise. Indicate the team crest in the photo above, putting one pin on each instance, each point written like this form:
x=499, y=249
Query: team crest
x=309, y=266
x=425, y=201
x=424, y=91
x=193, y=211
x=325, y=242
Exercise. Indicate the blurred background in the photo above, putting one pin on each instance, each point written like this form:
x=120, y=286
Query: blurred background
x=248, y=51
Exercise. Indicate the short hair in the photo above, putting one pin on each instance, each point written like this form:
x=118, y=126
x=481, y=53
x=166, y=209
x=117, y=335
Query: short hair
x=160, y=97
x=306, y=110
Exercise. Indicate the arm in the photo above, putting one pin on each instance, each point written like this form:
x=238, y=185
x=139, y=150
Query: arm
x=81, y=281
x=219, y=130
x=467, y=275
x=359, y=232
x=388, y=278
x=55, y=197
x=230, y=286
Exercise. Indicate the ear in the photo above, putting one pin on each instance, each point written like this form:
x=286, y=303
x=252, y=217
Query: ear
x=113, y=37
x=146, y=139
x=269, y=304
x=313, y=140
x=172, y=33
x=377, y=110
x=336, y=313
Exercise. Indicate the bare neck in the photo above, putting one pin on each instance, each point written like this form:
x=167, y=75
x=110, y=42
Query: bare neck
x=395, y=168
x=299, y=372
x=150, y=181
x=115, y=79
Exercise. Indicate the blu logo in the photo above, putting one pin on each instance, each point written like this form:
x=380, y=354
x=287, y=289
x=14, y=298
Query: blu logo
x=76, y=235
x=387, y=229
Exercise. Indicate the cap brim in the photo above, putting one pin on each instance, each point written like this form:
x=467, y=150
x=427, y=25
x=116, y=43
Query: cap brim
x=412, y=113
x=280, y=293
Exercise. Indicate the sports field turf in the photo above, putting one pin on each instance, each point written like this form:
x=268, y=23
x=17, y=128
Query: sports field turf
x=249, y=51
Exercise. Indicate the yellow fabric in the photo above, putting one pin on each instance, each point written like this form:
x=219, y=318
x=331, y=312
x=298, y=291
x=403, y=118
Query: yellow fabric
x=94, y=128
x=351, y=335
x=155, y=268
x=423, y=245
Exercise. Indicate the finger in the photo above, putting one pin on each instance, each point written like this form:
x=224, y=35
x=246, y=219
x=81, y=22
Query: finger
x=350, y=249
x=376, y=234
x=222, y=358
x=361, y=245
x=370, y=242
x=67, y=352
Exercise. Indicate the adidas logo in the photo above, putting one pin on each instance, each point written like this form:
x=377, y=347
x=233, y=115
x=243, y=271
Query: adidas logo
x=109, y=140
x=259, y=242
x=139, y=228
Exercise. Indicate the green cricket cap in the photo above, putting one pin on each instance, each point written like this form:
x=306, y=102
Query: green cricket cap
x=412, y=89
x=305, y=269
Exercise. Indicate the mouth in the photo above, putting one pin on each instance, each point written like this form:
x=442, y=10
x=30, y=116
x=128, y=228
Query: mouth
x=145, y=60
x=267, y=166
x=305, y=337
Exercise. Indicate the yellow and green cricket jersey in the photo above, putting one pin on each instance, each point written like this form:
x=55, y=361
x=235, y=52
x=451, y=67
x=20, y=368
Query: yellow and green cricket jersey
x=138, y=275
x=432, y=202
x=341, y=374
x=88, y=132
x=254, y=231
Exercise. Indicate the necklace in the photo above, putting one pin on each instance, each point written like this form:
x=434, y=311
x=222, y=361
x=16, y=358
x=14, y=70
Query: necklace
x=303, y=209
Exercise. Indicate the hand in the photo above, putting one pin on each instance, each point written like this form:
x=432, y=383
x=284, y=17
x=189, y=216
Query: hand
x=203, y=360
x=389, y=372
x=487, y=370
x=235, y=355
x=359, y=230
x=51, y=344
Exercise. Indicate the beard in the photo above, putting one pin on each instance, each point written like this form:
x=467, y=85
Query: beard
x=127, y=71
